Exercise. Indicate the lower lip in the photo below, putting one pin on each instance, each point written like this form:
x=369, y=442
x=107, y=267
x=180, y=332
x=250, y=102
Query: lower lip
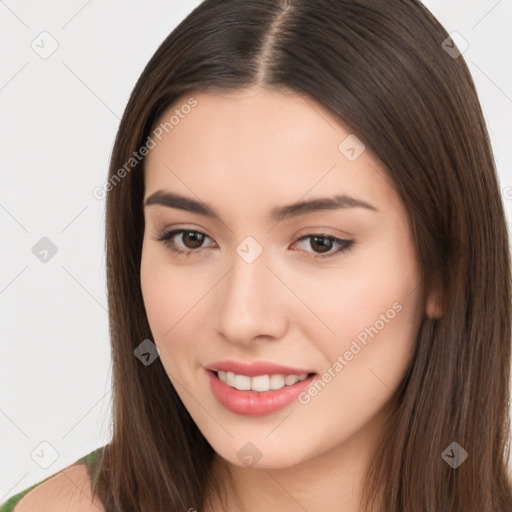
x=255, y=403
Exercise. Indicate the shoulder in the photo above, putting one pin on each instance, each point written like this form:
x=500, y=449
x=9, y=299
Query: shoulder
x=70, y=490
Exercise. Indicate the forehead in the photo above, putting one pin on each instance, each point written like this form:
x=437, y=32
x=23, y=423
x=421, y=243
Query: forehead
x=257, y=142
x=243, y=123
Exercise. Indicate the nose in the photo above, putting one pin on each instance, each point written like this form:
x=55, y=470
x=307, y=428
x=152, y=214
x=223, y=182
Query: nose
x=251, y=302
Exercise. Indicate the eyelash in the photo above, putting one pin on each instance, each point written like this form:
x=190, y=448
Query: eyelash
x=166, y=239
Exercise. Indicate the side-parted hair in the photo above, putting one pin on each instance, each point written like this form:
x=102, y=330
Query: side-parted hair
x=380, y=67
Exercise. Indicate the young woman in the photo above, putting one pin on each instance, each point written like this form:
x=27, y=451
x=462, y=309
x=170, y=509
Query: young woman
x=308, y=270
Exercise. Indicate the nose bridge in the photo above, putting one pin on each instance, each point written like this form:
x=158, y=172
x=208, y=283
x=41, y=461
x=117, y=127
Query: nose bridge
x=249, y=303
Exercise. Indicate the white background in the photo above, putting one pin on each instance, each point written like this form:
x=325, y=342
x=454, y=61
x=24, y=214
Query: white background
x=59, y=120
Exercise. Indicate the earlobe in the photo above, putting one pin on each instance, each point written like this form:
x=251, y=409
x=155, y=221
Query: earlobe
x=434, y=308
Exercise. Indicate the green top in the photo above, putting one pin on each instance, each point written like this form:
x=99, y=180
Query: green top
x=90, y=459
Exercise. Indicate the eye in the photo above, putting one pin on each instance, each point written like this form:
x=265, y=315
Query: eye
x=325, y=244
x=190, y=238
x=193, y=240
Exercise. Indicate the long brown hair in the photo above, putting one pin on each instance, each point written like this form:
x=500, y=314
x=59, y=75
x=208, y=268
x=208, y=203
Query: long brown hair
x=380, y=66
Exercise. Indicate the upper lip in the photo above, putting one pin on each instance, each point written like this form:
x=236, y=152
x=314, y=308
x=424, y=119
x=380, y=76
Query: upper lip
x=256, y=368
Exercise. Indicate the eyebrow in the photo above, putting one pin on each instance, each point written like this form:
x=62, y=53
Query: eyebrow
x=173, y=200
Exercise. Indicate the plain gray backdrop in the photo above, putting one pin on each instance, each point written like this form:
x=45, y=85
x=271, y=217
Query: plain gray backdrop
x=67, y=69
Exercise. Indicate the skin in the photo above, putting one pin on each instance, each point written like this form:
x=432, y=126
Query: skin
x=242, y=154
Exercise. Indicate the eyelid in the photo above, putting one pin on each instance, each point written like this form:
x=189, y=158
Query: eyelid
x=315, y=229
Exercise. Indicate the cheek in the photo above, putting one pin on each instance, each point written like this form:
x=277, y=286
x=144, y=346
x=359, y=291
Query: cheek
x=155, y=293
x=163, y=299
x=370, y=307
x=167, y=294
x=376, y=325
x=380, y=306
x=173, y=302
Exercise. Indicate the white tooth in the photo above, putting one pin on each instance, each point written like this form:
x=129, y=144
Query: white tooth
x=260, y=383
x=291, y=379
x=276, y=381
x=230, y=379
x=242, y=382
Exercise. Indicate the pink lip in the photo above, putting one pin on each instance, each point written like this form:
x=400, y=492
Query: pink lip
x=256, y=368
x=255, y=403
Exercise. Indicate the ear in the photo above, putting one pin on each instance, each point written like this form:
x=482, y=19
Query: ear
x=434, y=308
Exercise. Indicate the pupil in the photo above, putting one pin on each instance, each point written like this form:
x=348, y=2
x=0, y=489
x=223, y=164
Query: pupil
x=322, y=247
x=197, y=239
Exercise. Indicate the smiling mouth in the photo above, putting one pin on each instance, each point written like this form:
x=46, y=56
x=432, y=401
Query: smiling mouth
x=259, y=383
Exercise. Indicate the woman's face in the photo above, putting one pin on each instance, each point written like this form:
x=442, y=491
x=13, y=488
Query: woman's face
x=253, y=287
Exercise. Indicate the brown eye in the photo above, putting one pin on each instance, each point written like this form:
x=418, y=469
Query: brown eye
x=323, y=244
x=318, y=243
x=191, y=241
